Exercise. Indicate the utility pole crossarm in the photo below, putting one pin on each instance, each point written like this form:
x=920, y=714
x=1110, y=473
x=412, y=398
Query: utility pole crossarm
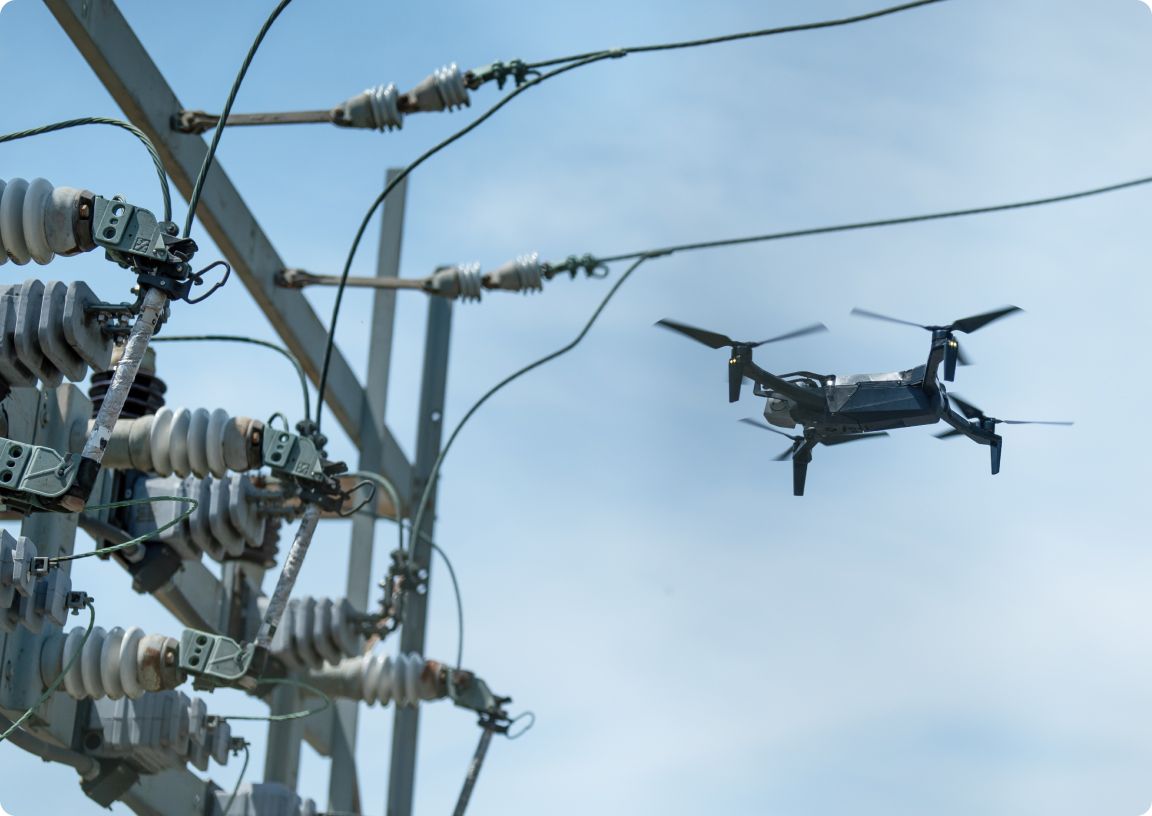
x=102, y=35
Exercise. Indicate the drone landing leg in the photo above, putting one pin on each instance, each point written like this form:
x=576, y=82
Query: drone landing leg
x=978, y=434
x=800, y=466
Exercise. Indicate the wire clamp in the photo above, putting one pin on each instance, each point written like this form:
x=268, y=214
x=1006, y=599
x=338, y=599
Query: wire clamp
x=593, y=268
x=499, y=72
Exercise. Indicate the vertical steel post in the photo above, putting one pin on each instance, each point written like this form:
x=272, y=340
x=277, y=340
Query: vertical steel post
x=343, y=784
x=432, y=391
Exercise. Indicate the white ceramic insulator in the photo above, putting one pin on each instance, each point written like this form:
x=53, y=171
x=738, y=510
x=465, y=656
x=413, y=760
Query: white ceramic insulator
x=315, y=632
x=403, y=680
x=183, y=442
x=520, y=275
x=450, y=85
x=464, y=282
x=109, y=662
x=383, y=108
x=37, y=221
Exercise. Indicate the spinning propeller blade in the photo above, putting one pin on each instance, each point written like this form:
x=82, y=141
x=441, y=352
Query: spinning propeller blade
x=971, y=324
x=704, y=336
x=815, y=328
x=766, y=427
x=948, y=433
x=972, y=412
x=878, y=316
x=742, y=354
x=716, y=340
x=964, y=324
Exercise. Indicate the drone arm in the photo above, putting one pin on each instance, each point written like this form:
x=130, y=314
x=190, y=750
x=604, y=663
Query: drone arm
x=804, y=396
x=976, y=433
x=936, y=356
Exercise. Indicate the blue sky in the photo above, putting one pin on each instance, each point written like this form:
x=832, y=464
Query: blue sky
x=914, y=636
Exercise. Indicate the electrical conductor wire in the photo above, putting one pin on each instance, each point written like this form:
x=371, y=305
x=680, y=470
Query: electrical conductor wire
x=325, y=700
x=239, y=780
x=55, y=684
x=435, y=472
x=745, y=35
x=165, y=192
x=392, y=184
x=885, y=222
x=198, y=186
x=238, y=338
x=60, y=559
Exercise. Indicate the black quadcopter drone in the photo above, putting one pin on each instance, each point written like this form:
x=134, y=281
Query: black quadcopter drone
x=836, y=409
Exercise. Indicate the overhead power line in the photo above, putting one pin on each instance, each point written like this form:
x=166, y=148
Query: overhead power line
x=198, y=186
x=884, y=222
x=743, y=35
x=499, y=72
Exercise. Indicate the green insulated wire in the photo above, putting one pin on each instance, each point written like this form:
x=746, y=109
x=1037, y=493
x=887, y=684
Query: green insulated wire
x=198, y=186
x=138, y=539
x=238, y=338
x=239, y=779
x=743, y=35
x=326, y=702
x=886, y=222
x=55, y=684
x=103, y=120
x=435, y=472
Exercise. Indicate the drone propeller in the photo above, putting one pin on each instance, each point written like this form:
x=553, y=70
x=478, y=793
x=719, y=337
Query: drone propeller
x=952, y=352
x=716, y=340
x=970, y=411
x=739, y=348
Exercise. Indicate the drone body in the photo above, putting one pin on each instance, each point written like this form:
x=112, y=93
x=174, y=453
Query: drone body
x=835, y=409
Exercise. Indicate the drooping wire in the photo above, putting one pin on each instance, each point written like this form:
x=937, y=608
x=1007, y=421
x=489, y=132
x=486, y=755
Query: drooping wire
x=744, y=35
x=55, y=684
x=239, y=780
x=392, y=184
x=198, y=186
x=393, y=494
x=886, y=222
x=459, y=603
x=531, y=722
x=435, y=472
x=165, y=192
x=325, y=700
x=400, y=526
x=237, y=338
x=60, y=559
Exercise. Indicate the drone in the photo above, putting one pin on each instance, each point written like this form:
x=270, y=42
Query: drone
x=835, y=409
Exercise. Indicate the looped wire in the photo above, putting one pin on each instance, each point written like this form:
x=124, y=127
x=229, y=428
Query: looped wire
x=283, y=418
x=197, y=279
x=531, y=722
x=363, y=504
